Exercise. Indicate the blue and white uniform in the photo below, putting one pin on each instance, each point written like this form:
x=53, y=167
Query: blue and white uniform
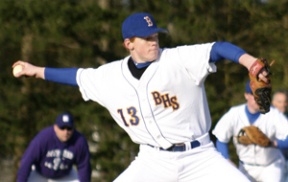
x=256, y=162
x=162, y=106
x=165, y=110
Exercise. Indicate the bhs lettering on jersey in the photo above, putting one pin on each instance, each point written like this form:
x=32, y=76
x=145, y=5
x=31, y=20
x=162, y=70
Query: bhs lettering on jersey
x=166, y=100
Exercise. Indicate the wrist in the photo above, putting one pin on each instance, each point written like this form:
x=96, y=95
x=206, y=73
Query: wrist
x=247, y=60
x=40, y=72
x=274, y=143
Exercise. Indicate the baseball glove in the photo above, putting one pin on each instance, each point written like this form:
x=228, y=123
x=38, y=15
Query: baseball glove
x=261, y=90
x=253, y=135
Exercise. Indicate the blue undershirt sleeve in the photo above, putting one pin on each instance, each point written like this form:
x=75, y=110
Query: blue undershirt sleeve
x=65, y=76
x=223, y=149
x=225, y=50
x=282, y=144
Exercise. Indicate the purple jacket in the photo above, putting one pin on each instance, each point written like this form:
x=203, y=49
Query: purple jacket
x=54, y=159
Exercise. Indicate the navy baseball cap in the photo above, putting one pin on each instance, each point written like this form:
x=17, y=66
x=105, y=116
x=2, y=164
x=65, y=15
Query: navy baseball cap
x=65, y=119
x=248, y=88
x=140, y=25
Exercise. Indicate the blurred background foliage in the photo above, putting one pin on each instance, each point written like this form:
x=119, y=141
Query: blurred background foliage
x=87, y=33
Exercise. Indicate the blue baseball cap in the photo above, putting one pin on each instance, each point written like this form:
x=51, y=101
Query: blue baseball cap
x=248, y=88
x=140, y=25
x=65, y=119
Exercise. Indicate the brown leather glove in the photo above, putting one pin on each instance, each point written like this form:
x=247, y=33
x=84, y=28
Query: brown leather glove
x=253, y=135
x=261, y=90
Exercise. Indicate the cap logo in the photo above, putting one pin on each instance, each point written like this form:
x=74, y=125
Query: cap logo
x=65, y=119
x=149, y=21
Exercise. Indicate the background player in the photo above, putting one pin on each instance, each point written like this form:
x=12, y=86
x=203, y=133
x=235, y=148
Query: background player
x=54, y=151
x=256, y=162
x=280, y=100
x=158, y=97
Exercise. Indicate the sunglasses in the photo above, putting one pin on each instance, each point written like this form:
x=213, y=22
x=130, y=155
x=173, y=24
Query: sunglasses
x=66, y=128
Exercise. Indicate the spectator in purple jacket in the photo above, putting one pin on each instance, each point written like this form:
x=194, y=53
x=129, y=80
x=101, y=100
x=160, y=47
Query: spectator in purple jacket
x=54, y=151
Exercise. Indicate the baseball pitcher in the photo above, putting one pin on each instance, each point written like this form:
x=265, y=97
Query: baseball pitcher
x=157, y=96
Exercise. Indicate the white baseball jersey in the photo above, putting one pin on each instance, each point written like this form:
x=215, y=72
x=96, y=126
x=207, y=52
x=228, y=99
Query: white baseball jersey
x=167, y=105
x=273, y=124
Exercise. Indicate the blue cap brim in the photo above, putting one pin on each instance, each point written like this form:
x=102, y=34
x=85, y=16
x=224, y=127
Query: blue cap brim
x=151, y=32
x=145, y=32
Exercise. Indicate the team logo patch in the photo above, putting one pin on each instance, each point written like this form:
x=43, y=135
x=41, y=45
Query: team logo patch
x=149, y=21
x=65, y=119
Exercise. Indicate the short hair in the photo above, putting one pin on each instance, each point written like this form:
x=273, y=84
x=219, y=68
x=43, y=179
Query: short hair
x=281, y=91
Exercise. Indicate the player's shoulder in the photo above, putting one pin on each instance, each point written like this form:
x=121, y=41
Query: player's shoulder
x=115, y=62
x=237, y=108
x=47, y=131
x=275, y=115
x=78, y=137
x=274, y=111
x=77, y=134
x=102, y=71
x=188, y=46
x=232, y=113
x=43, y=136
x=105, y=67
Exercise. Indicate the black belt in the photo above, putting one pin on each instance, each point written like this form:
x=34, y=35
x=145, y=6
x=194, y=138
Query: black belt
x=180, y=147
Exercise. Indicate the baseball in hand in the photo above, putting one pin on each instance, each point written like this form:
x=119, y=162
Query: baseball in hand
x=17, y=69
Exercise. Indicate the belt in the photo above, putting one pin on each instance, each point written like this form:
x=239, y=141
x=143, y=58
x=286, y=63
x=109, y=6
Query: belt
x=181, y=147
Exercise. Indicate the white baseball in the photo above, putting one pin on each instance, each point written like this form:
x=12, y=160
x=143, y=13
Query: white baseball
x=17, y=69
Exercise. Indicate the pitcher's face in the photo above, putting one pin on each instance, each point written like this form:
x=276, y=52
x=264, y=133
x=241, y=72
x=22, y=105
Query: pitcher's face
x=145, y=49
